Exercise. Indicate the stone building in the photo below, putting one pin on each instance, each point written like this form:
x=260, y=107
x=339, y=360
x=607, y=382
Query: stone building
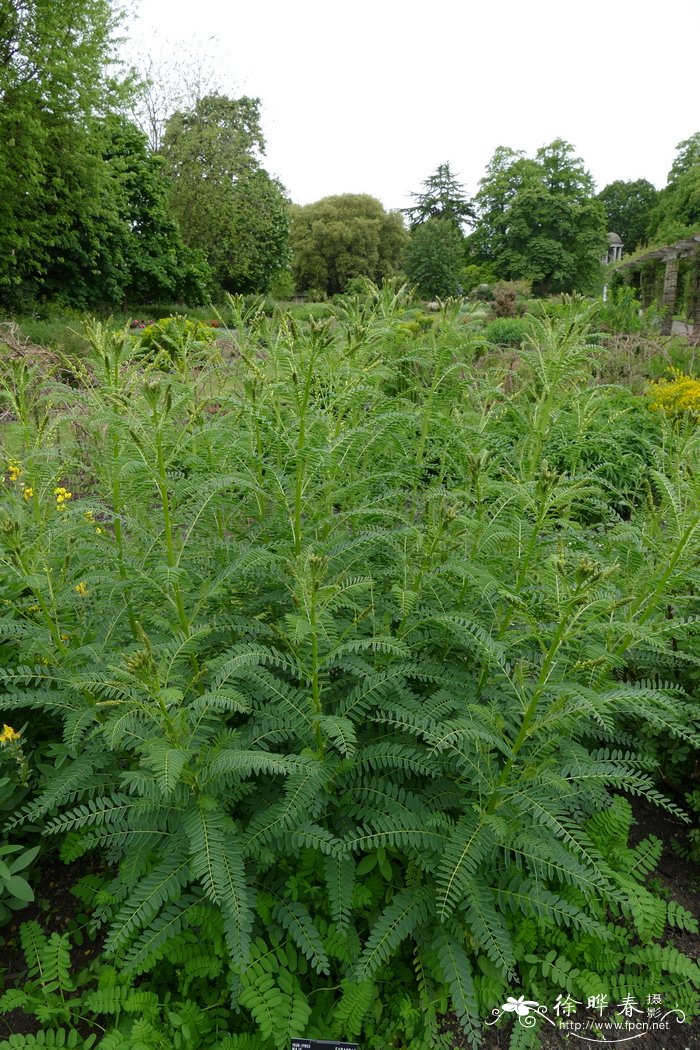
x=670, y=277
x=614, y=253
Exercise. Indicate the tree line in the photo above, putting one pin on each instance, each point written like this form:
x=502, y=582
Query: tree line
x=94, y=214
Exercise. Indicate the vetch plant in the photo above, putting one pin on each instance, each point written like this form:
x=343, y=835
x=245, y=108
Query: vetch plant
x=349, y=684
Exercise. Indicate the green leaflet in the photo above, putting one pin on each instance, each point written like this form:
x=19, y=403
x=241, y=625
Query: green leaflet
x=217, y=861
x=407, y=911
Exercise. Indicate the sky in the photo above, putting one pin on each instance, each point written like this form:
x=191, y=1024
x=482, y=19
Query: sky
x=371, y=96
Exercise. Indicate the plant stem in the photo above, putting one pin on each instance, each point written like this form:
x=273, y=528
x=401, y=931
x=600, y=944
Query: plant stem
x=530, y=711
x=168, y=529
x=119, y=539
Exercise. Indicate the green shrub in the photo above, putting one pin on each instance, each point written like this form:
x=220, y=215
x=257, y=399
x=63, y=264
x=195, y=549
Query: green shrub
x=474, y=276
x=622, y=313
x=316, y=295
x=507, y=331
x=283, y=287
x=167, y=342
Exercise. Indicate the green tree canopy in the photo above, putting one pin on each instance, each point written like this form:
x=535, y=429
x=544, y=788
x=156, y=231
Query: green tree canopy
x=539, y=220
x=55, y=84
x=687, y=157
x=677, y=211
x=58, y=56
x=227, y=205
x=157, y=265
x=434, y=258
x=628, y=207
x=442, y=197
x=338, y=238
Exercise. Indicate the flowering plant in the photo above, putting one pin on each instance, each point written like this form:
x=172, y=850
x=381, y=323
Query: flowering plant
x=677, y=396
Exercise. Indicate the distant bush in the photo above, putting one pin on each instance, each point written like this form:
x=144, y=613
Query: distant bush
x=483, y=292
x=165, y=342
x=475, y=276
x=283, y=286
x=311, y=311
x=623, y=313
x=507, y=331
x=316, y=295
x=508, y=298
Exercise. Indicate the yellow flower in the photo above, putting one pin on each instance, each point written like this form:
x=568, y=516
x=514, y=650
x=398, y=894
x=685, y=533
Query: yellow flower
x=677, y=396
x=8, y=735
x=28, y=492
x=14, y=470
x=62, y=496
x=89, y=516
x=81, y=588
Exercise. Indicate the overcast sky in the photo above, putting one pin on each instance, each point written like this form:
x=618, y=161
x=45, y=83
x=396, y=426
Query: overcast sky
x=370, y=96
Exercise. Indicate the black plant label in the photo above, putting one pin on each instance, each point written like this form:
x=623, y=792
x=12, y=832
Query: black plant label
x=322, y=1044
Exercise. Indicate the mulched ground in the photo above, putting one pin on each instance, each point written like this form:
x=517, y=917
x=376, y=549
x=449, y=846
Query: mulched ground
x=56, y=909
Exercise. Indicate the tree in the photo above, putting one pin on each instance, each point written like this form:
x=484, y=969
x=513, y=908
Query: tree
x=507, y=173
x=434, y=258
x=539, y=220
x=677, y=212
x=226, y=204
x=338, y=238
x=55, y=82
x=158, y=266
x=171, y=82
x=253, y=243
x=443, y=197
x=58, y=56
x=687, y=157
x=628, y=207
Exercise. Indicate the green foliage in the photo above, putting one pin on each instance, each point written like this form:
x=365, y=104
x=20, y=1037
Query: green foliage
x=48, y=977
x=442, y=197
x=170, y=342
x=157, y=265
x=507, y=331
x=349, y=650
x=677, y=211
x=626, y=960
x=622, y=312
x=50, y=175
x=227, y=205
x=434, y=259
x=53, y=1038
x=628, y=207
x=282, y=286
x=15, y=891
x=82, y=203
x=538, y=220
x=339, y=238
x=474, y=274
x=692, y=848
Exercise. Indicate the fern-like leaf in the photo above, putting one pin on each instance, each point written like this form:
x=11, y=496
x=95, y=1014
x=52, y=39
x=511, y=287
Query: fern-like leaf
x=297, y=921
x=406, y=912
